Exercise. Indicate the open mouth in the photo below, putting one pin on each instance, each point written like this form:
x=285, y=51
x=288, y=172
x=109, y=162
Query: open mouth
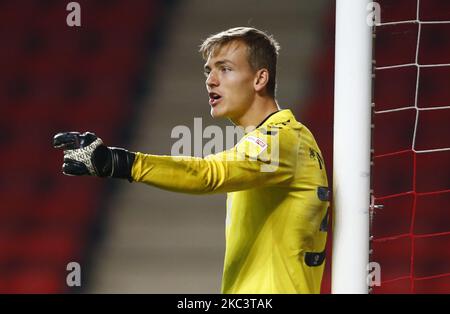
x=214, y=98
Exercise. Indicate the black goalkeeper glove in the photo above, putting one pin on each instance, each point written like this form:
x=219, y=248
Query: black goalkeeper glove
x=85, y=154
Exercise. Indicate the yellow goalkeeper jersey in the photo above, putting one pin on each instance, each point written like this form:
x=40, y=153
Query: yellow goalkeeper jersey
x=277, y=204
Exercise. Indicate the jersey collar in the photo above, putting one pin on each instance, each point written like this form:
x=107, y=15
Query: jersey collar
x=279, y=116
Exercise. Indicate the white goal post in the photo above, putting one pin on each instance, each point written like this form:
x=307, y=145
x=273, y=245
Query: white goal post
x=352, y=141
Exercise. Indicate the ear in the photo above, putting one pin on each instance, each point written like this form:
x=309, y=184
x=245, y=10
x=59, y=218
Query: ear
x=261, y=79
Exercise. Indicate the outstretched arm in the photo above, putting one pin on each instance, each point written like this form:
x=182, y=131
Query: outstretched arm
x=245, y=166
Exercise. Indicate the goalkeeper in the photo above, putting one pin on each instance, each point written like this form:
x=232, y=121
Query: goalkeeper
x=275, y=177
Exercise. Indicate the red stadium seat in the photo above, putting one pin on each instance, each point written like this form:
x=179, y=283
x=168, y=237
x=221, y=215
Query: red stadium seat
x=59, y=79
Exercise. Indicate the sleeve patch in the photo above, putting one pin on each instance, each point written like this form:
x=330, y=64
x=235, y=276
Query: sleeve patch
x=257, y=141
x=252, y=146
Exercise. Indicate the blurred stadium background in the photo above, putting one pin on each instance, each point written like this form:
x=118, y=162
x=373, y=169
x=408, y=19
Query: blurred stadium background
x=131, y=73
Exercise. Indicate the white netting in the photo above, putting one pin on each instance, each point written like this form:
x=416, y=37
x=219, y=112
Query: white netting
x=388, y=243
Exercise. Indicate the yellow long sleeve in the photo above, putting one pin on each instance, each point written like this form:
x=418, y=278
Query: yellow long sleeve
x=276, y=205
x=240, y=168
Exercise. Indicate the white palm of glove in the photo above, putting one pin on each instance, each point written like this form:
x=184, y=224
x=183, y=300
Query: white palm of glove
x=84, y=154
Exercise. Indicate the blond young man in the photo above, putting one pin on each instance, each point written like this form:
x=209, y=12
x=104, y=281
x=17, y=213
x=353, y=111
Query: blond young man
x=275, y=179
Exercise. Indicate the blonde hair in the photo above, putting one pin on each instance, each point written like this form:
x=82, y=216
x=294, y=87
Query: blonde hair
x=262, y=50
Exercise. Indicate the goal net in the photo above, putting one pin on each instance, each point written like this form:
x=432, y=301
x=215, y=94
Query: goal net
x=410, y=233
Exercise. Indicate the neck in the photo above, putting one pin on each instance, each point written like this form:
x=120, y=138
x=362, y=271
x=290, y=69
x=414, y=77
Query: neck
x=256, y=113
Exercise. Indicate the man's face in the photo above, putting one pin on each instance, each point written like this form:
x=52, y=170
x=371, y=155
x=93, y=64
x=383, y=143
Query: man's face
x=229, y=81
